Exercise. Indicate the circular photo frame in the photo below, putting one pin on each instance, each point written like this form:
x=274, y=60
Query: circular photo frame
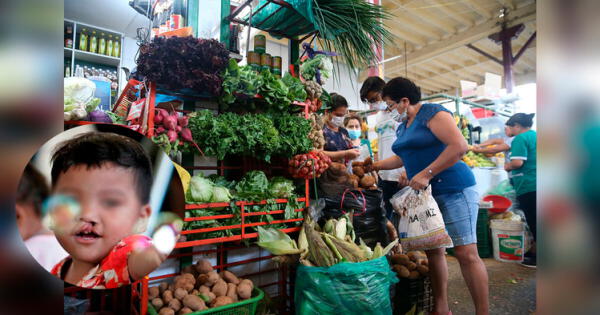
x=99, y=206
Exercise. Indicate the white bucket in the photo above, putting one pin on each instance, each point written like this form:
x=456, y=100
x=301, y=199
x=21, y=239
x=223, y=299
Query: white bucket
x=508, y=239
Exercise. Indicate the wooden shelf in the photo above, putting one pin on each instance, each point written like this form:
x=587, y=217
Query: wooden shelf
x=96, y=58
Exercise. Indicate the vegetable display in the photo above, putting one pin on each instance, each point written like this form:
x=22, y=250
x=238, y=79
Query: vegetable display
x=310, y=165
x=184, y=62
x=263, y=135
x=79, y=100
x=323, y=246
x=316, y=132
x=254, y=186
x=297, y=91
x=172, y=131
x=308, y=70
x=199, y=288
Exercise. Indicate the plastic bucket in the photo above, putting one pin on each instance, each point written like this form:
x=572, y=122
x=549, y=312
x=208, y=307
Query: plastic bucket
x=508, y=239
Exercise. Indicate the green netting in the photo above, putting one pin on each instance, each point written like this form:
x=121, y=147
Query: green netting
x=285, y=21
x=345, y=288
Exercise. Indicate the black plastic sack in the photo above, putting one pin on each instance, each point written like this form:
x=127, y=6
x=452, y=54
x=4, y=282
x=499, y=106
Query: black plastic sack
x=369, y=219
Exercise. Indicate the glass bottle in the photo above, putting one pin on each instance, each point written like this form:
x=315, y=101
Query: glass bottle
x=94, y=43
x=110, y=46
x=117, y=47
x=102, y=45
x=83, y=40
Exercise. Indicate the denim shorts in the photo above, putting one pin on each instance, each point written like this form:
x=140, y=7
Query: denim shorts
x=459, y=211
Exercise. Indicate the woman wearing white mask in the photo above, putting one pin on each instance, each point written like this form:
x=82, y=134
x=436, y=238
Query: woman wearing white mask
x=430, y=147
x=338, y=145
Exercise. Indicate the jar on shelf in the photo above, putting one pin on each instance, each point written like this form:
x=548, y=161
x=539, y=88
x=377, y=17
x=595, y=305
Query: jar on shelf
x=102, y=44
x=83, y=40
x=117, y=47
x=110, y=46
x=93, y=43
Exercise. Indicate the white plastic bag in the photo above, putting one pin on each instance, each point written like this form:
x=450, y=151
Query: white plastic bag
x=421, y=225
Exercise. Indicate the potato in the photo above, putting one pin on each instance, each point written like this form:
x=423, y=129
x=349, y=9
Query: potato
x=230, y=277
x=157, y=303
x=171, y=287
x=338, y=169
x=414, y=275
x=423, y=270
x=195, y=303
x=414, y=255
x=358, y=171
x=249, y=282
x=195, y=292
x=213, y=277
x=203, y=290
x=153, y=292
x=208, y=297
x=185, y=310
x=367, y=181
x=203, y=266
x=166, y=311
x=202, y=279
x=357, y=163
x=175, y=304
x=400, y=259
x=232, y=291
x=425, y=262
x=190, y=277
x=402, y=271
x=167, y=296
x=189, y=269
x=162, y=287
x=244, y=290
x=221, y=300
x=220, y=288
x=180, y=293
x=368, y=161
x=411, y=266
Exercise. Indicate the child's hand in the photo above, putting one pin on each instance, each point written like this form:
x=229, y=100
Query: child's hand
x=165, y=235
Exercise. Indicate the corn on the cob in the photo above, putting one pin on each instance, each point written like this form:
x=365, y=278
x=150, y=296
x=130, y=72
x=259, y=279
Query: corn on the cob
x=340, y=229
x=319, y=252
x=302, y=242
x=348, y=250
x=377, y=251
x=327, y=238
x=329, y=226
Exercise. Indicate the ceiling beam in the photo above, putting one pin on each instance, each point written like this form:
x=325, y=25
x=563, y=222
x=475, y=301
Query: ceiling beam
x=507, y=4
x=458, y=71
x=473, y=34
x=402, y=36
x=479, y=9
x=445, y=8
x=424, y=15
x=414, y=24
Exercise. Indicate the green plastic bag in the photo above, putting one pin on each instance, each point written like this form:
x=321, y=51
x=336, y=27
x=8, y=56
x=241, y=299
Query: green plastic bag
x=504, y=189
x=345, y=288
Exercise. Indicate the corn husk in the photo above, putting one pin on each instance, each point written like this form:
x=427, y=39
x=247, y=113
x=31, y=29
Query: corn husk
x=277, y=242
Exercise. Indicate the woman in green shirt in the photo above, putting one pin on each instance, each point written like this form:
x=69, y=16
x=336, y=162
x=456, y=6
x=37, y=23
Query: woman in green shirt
x=522, y=167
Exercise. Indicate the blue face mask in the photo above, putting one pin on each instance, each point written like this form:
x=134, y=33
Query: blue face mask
x=354, y=134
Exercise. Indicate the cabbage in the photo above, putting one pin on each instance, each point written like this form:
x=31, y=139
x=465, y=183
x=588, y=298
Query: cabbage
x=201, y=189
x=281, y=187
x=220, y=194
x=78, y=90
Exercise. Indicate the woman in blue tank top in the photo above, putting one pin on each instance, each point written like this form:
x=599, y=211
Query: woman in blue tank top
x=430, y=147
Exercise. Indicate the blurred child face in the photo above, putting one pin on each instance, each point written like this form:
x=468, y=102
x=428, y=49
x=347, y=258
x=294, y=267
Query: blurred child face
x=110, y=209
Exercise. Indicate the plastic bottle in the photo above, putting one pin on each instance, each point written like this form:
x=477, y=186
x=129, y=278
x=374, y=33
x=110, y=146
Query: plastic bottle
x=110, y=46
x=83, y=40
x=94, y=43
x=117, y=47
x=102, y=45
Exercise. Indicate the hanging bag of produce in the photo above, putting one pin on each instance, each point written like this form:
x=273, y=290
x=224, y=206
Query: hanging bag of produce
x=345, y=288
x=421, y=224
x=369, y=216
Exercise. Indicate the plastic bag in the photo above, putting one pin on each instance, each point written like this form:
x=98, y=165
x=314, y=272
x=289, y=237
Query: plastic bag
x=421, y=224
x=528, y=234
x=369, y=218
x=504, y=189
x=345, y=288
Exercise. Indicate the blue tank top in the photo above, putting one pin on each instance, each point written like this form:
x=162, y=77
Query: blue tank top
x=419, y=147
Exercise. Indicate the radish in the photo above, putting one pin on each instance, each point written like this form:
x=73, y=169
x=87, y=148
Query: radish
x=183, y=121
x=172, y=134
x=186, y=135
x=160, y=129
x=170, y=122
x=158, y=118
x=178, y=128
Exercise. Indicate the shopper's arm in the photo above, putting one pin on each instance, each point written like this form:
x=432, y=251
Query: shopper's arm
x=345, y=154
x=444, y=128
x=514, y=164
x=142, y=262
x=390, y=163
x=491, y=150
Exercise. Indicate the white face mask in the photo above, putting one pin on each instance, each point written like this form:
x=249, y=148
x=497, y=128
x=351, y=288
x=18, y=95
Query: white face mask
x=381, y=105
x=397, y=116
x=337, y=121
